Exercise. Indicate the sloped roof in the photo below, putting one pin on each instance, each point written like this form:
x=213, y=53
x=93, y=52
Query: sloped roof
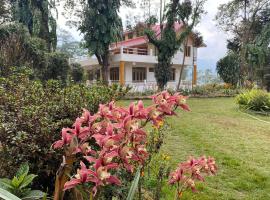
x=142, y=39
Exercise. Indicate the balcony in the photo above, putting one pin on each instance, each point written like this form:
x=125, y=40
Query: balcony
x=133, y=55
x=144, y=56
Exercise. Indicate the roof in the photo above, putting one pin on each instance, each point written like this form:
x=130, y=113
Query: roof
x=143, y=39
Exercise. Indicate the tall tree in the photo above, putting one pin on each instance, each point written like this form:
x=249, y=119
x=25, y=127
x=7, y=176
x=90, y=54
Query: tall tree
x=101, y=25
x=4, y=11
x=169, y=41
x=38, y=17
x=228, y=68
x=259, y=55
x=241, y=18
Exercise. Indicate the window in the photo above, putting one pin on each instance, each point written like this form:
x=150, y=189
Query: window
x=151, y=69
x=172, y=74
x=114, y=74
x=138, y=74
x=188, y=51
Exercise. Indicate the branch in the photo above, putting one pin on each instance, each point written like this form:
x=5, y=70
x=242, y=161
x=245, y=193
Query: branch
x=152, y=39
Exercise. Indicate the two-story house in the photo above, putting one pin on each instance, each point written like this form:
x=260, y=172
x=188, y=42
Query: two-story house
x=132, y=62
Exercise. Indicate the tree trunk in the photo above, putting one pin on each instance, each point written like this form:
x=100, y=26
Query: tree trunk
x=105, y=69
x=183, y=64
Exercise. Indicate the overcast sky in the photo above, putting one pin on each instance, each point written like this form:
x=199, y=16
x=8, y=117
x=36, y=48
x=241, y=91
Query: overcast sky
x=214, y=38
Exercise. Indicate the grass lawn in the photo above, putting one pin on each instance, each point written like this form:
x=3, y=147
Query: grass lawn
x=240, y=144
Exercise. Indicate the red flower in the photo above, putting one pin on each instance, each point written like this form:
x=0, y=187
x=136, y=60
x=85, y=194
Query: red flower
x=67, y=135
x=81, y=177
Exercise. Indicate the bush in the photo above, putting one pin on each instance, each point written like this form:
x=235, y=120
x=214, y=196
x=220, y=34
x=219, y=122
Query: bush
x=215, y=90
x=32, y=115
x=257, y=100
x=76, y=72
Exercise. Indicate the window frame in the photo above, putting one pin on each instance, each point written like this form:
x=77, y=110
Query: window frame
x=187, y=51
x=141, y=75
x=114, y=74
x=172, y=75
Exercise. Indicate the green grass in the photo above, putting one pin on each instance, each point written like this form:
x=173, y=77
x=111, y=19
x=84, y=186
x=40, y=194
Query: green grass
x=239, y=143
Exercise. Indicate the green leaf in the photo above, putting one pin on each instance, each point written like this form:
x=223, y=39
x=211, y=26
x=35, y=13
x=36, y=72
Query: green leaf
x=34, y=194
x=134, y=185
x=4, y=194
x=27, y=180
x=23, y=170
x=15, y=182
x=5, y=183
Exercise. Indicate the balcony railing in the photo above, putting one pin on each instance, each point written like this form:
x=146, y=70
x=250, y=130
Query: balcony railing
x=135, y=51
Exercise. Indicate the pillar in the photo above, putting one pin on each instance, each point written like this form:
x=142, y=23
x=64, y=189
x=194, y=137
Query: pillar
x=194, y=79
x=122, y=73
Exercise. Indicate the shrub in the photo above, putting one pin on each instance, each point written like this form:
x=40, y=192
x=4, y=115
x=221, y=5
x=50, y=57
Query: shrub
x=76, y=72
x=31, y=116
x=257, y=100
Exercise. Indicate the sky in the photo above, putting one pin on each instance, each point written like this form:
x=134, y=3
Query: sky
x=214, y=38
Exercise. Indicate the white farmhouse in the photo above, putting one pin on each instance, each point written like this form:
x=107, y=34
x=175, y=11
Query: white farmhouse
x=132, y=62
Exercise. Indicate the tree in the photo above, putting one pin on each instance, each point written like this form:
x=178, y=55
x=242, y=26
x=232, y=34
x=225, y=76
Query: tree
x=29, y=51
x=101, y=25
x=228, y=69
x=169, y=42
x=38, y=17
x=259, y=55
x=77, y=72
x=197, y=42
x=4, y=11
x=57, y=68
x=244, y=20
x=68, y=45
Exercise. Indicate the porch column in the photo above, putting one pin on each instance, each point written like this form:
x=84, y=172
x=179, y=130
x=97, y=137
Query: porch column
x=194, y=79
x=122, y=73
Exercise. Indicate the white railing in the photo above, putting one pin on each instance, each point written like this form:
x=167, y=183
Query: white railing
x=135, y=51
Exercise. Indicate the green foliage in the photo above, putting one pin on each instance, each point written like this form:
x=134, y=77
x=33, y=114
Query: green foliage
x=29, y=51
x=77, y=72
x=38, y=18
x=20, y=183
x=6, y=195
x=57, y=67
x=246, y=20
x=215, y=90
x=257, y=100
x=101, y=25
x=68, y=45
x=32, y=115
x=169, y=42
x=228, y=69
x=4, y=11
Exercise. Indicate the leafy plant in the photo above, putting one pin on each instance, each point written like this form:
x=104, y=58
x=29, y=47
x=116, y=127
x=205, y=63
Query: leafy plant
x=20, y=183
x=256, y=100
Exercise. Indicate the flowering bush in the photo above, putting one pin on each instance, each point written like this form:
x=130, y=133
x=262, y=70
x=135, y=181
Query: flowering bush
x=191, y=171
x=111, y=142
